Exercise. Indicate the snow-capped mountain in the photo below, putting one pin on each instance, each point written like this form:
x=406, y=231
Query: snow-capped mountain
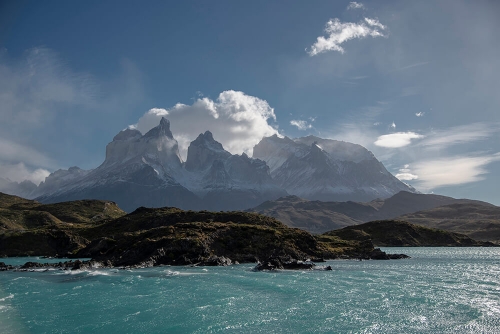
x=138, y=171
x=147, y=170
x=327, y=170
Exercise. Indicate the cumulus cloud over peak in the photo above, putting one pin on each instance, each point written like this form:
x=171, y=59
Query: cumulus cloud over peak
x=237, y=120
x=398, y=139
x=340, y=32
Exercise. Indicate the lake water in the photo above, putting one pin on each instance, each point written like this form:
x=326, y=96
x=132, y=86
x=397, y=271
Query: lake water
x=438, y=290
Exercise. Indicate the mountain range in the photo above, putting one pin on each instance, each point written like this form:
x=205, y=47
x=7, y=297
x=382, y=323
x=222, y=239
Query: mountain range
x=147, y=170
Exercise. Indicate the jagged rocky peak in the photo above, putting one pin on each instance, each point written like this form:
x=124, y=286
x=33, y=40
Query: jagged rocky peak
x=158, y=144
x=203, y=151
x=163, y=129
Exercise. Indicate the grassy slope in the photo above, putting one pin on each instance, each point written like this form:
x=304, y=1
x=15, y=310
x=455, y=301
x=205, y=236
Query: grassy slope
x=30, y=228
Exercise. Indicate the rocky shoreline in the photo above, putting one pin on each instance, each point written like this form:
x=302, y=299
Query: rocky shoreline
x=270, y=263
x=284, y=262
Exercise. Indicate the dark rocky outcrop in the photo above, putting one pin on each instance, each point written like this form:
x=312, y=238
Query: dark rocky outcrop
x=170, y=236
x=279, y=263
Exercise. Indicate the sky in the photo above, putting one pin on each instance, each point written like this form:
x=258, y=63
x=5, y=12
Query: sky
x=415, y=82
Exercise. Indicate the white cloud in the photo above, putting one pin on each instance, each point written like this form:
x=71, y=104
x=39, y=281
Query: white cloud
x=238, y=121
x=398, y=139
x=420, y=114
x=451, y=171
x=340, y=32
x=374, y=23
x=405, y=174
x=19, y=172
x=355, y=5
x=301, y=125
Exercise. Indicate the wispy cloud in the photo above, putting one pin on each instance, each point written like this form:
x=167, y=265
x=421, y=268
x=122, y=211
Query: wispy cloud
x=41, y=94
x=341, y=32
x=451, y=171
x=440, y=139
x=396, y=140
x=12, y=152
x=411, y=66
x=301, y=125
x=32, y=88
x=355, y=5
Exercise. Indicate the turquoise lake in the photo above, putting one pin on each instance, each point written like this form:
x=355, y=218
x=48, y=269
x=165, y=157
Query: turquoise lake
x=438, y=290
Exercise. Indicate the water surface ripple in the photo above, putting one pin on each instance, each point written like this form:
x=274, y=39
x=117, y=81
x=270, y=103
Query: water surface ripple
x=439, y=290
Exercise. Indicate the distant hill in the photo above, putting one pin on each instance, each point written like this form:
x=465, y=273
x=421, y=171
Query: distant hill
x=313, y=216
x=481, y=222
x=319, y=217
x=402, y=234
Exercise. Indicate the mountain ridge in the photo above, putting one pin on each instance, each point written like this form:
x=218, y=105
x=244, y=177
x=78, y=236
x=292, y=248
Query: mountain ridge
x=147, y=170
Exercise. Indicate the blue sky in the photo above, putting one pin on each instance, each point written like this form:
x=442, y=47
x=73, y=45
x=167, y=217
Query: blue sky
x=416, y=82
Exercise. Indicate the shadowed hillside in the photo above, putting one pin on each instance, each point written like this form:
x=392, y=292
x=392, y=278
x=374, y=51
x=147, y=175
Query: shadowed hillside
x=399, y=233
x=319, y=217
x=481, y=222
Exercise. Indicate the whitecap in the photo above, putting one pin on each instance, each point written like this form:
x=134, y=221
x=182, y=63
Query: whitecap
x=8, y=297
